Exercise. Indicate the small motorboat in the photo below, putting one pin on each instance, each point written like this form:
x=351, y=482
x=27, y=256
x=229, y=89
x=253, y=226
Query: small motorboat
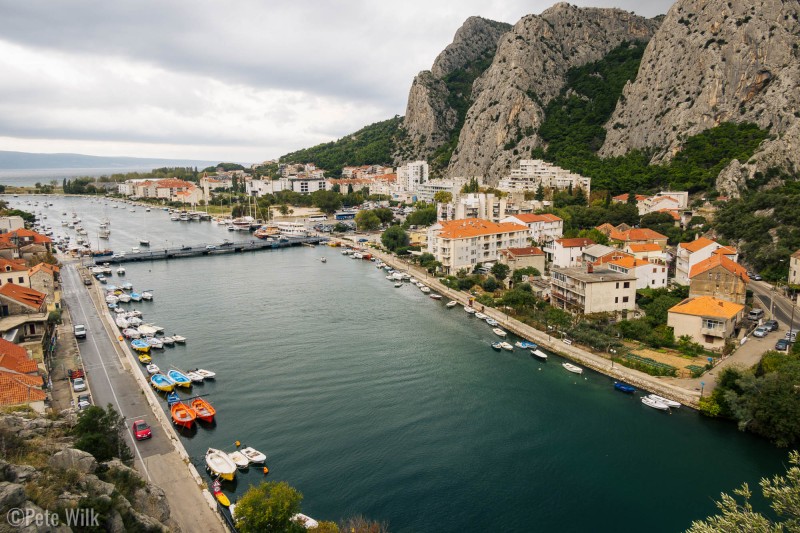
x=572, y=368
x=147, y=295
x=526, y=345
x=624, y=387
x=451, y=304
x=253, y=455
x=655, y=404
x=507, y=346
x=182, y=414
x=492, y=322
x=140, y=346
x=398, y=285
x=121, y=271
x=111, y=299
x=173, y=398
x=136, y=297
x=122, y=322
x=322, y=259
x=194, y=376
x=162, y=383
x=669, y=403
x=155, y=342
x=168, y=341
x=131, y=333
x=499, y=332
x=239, y=459
x=469, y=310
x=134, y=321
x=305, y=521
x=539, y=354
x=496, y=346
x=481, y=316
x=124, y=297
x=203, y=410
x=425, y=289
x=179, y=378
x=220, y=464
x=127, y=286
x=207, y=374
x=435, y=296
x=145, y=359
x=216, y=490
x=179, y=339
x=152, y=369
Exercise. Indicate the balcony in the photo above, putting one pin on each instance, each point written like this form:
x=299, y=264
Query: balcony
x=714, y=332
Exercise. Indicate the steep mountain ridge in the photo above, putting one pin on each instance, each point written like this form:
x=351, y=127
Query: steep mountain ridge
x=712, y=62
x=529, y=70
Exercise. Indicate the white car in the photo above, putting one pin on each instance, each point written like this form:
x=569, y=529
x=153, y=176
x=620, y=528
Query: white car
x=211, y=247
x=760, y=331
x=80, y=331
x=78, y=385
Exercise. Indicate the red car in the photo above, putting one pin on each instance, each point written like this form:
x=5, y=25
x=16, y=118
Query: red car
x=141, y=430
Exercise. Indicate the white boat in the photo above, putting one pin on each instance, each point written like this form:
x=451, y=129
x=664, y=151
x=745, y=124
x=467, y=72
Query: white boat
x=322, y=259
x=179, y=339
x=469, y=310
x=111, y=299
x=669, y=403
x=451, y=304
x=655, y=404
x=124, y=297
x=425, y=289
x=572, y=368
x=155, y=342
x=413, y=280
x=540, y=354
x=153, y=369
x=121, y=271
x=305, y=521
x=239, y=458
x=481, y=316
x=134, y=321
x=207, y=374
x=253, y=455
x=492, y=322
x=147, y=295
x=435, y=296
x=194, y=376
x=131, y=333
x=499, y=332
x=122, y=322
x=168, y=341
x=220, y=464
x=398, y=285
x=507, y=346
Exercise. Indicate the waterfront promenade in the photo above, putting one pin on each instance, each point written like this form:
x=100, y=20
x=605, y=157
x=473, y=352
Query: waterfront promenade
x=114, y=378
x=661, y=386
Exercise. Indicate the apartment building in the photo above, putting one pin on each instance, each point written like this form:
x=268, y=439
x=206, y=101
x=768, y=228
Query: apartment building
x=464, y=243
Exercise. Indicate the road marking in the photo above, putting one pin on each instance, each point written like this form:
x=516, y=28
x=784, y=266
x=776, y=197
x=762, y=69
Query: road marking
x=103, y=366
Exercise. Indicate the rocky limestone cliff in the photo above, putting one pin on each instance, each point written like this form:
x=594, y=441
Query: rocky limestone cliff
x=713, y=61
x=429, y=121
x=529, y=70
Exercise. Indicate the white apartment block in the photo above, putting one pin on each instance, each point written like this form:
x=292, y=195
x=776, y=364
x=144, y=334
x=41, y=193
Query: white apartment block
x=648, y=275
x=306, y=184
x=533, y=172
x=543, y=228
x=474, y=205
x=566, y=253
x=464, y=243
x=427, y=190
x=592, y=290
x=410, y=175
x=689, y=254
x=260, y=188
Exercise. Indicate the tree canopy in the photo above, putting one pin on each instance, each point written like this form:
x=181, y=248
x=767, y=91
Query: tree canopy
x=268, y=508
x=394, y=238
x=101, y=433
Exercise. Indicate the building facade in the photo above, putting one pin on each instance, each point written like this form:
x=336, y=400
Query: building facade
x=458, y=244
x=592, y=290
x=709, y=321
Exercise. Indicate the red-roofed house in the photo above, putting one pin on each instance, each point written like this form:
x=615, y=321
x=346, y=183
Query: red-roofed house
x=517, y=258
x=566, y=253
x=648, y=275
x=719, y=277
x=466, y=242
x=708, y=320
x=638, y=236
x=44, y=278
x=21, y=238
x=13, y=271
x=15, y=359
x=18, y=389
x=649, y=251
x=689, y=254
x=543, y=228
x=23, y=319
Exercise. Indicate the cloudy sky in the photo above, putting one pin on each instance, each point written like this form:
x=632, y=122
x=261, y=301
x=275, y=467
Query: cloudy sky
x=241, y=80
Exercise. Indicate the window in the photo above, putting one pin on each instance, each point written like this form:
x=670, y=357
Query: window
x=627, y=285
x=21, y=279
x=709, y=323
x=616, y=299
x=624, y=299
x=618, y=284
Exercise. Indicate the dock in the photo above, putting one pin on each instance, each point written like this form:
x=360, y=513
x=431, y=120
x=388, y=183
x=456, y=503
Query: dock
x=199, y=250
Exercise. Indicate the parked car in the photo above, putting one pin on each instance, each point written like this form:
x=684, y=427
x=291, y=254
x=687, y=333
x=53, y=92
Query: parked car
x=791, y=335
x=782, y=345
x=761, y=331
x=756, y=277
x=87, y=281
x=78, y=385
x=80, y=331
x=755, y=314
x=84, y=401
x=772, y=325
x=211, y=247
x=141, y=430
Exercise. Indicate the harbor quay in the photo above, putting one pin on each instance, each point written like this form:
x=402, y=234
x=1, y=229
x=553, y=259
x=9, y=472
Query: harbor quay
x=598, y=363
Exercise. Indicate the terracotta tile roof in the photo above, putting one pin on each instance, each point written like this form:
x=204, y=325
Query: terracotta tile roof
x=629, y=262
x=24, y=295
x=523, y=252
x=18, y=388
x=574, y=242
x=9, y=348
x=672, y=212
x=44, y=267
x=25, y=235
x=637, y=234
x=474, y=227
x=635, y=247
x=697, y=244
x=721, y=261
x=528, y=218
x=23, y=365
x=624, y=197
x=707, y=306
x=726, y=250
x=173, y=183
x=12, y=265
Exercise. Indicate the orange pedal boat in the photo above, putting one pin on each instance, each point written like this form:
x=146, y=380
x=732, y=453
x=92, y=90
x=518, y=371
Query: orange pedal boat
x=183, y=415
x=203, y=409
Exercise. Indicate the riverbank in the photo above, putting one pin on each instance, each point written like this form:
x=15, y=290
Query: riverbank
x=598, y=363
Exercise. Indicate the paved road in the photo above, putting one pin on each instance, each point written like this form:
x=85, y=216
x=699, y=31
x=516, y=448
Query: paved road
x=783, y=309
x=109, y=378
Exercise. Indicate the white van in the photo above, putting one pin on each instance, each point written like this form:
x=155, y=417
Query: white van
x=755, y=314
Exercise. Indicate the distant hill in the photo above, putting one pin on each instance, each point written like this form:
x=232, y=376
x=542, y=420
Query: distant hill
x=26, y=160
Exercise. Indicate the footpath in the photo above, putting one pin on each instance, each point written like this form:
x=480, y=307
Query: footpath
x=192, y=506
x=686, y=393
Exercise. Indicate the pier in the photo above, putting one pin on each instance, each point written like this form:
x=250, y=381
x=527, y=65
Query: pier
x=197, y=250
